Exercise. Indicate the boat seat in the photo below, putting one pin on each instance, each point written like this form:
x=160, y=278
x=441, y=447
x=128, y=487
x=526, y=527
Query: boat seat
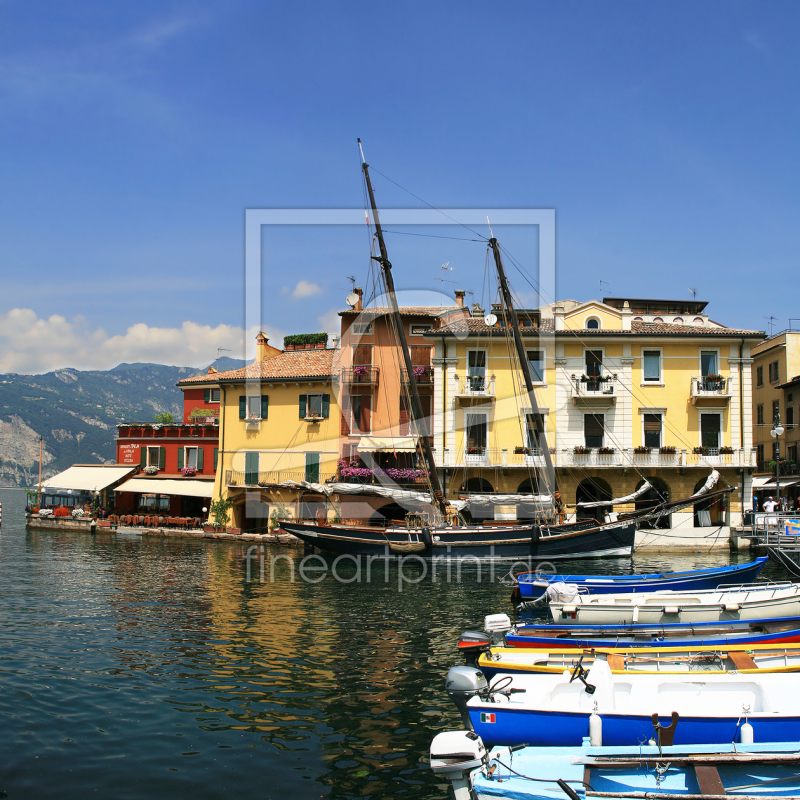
x=708, y=779
x=616, y=661
x=742, y=660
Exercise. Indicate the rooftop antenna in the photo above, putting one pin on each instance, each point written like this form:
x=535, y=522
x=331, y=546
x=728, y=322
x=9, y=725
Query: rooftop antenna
x=694, y=293
x=601, y=286
x=220, y=350
x=772, y=321
x=442, y=280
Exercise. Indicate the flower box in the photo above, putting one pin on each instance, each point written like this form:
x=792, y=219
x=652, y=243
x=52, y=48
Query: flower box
x=726, y=451
x=642, y=450
x=605, y=451
x=669, y=450
x=581, y=451
x=213, y=529
x=522, y=451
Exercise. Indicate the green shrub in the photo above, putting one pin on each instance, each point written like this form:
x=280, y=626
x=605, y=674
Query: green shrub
x=164, y=418
x=305, y=338
x=219, y=512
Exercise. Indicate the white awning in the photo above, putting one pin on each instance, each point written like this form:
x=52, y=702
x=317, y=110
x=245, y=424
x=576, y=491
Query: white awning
x=87, y=478
x=760, y=483
x=769, y=483
x=186, y=487
x=398, y=444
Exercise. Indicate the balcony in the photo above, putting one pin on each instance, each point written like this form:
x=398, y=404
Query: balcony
x=593, y=391
x=360, y=375
x=134, y=430
x=422, y=375
x=248, y=480
x=710, y=390
x=475, y=389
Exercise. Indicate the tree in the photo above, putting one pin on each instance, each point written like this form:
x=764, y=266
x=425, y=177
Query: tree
x=164, y=418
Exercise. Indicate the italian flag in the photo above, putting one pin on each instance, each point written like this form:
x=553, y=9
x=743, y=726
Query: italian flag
x=487, y=717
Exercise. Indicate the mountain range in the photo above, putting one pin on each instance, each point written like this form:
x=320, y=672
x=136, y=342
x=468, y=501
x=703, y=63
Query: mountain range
x=76, y=413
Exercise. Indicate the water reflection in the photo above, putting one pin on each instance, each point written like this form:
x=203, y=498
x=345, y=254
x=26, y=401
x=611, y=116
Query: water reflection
x=152, y=667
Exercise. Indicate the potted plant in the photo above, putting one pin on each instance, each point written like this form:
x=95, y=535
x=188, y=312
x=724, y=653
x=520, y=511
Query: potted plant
x=314, y=416
x=522, y=451
x=605, y=451
x=580, y=450
x=726, y=451
x=642, y=450
x=474, y=450
x=218, y=519
x=700, y=451
x=150, y=470
x=667, y=450
x=189, y=471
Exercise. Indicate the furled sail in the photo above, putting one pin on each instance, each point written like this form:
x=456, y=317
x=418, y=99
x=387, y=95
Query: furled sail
x=710, y=483
x=544, y=500
x=627, y=499
x=358, y=488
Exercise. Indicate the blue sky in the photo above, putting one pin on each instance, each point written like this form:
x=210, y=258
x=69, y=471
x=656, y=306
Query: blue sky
x=665, y=136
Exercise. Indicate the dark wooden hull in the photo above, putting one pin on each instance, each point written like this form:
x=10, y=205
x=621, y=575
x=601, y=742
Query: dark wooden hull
x=581, y=540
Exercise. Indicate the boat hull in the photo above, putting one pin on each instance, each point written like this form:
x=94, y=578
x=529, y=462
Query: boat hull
x=689, y=580
x=528, y=543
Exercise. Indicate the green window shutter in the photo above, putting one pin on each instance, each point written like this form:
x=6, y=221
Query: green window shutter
x=142, y=456
x=326, y=405
x=302, y=406
x=251, y=468
x=180, y=458
x=242, y=406
x=162, y=457
x=216, y=457
x=199, y=459
x=264, y=405
x=207, y=395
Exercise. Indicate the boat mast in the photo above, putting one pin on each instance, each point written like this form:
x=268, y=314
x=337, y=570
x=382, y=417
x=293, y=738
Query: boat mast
x=533, y=423
x=416, y=403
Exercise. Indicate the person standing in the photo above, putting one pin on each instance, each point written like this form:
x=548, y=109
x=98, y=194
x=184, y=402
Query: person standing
x=770, y=505
x=559, y=504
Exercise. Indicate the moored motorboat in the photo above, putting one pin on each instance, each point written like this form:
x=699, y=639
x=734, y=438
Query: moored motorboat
x=555, y=710
x=745, y=659
x=747, y=602
x=641, y=771
x=530, y=585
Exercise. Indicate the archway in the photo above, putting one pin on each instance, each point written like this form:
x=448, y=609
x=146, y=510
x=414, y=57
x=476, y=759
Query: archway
x=528, y=511
x=386, y=514
x=659, y=493
x=312, y=504
x=708, y=512
x=478, y=511
x=591, y=490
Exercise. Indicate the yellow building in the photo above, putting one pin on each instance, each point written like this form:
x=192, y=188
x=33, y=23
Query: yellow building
x=776, y=396
x=279, y=421
x=629, y=390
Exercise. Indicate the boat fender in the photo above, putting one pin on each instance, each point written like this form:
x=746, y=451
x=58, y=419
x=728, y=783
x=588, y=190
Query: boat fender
x=426, y=538
x=746, y=731
x=535, y=534
x=595, y=729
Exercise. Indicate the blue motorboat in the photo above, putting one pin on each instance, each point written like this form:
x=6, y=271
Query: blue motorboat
x=641, y=770
x=532, y=585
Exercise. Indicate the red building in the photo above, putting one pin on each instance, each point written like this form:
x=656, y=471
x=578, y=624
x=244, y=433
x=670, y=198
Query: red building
x=176, y=462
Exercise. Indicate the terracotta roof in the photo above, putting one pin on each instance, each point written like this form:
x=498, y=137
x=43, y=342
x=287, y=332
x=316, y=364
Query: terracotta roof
x=293, y=364
x=475, y=326
x=406, y=311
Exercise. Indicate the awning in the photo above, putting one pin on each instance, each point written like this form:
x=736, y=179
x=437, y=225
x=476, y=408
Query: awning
x=760, y=483
x=187, y=487
x=87, y=478
x=398, y=444
x=769, y=483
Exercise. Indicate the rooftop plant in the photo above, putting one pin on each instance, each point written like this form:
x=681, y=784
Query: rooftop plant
x=305, y=338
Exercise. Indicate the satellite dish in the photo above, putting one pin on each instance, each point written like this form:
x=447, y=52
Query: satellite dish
x=351, y=299
x=490, y=320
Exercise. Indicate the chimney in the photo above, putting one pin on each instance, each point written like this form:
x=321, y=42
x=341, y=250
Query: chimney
x=261, y=346
x=558, y=317
x=359, y=303
x=626, y=316
x=460, y=294
x=211, y=370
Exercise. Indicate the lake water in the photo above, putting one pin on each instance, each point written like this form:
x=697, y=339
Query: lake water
x=145, y=668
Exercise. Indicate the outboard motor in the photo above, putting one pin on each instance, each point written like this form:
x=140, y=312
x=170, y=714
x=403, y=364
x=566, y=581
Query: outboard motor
x=472, y=644
x=463, y=683
x=497, y=626
x=454, y=754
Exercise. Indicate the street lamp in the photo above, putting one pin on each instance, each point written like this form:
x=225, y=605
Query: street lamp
x=775, y=433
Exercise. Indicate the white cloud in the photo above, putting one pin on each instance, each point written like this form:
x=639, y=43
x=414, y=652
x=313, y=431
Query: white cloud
x=330, y=322
x=32, y=345
x=306, y=289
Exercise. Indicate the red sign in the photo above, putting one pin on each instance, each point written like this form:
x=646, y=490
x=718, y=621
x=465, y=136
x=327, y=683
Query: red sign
x=129, y=454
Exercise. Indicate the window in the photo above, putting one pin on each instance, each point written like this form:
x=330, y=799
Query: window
x=476, y=370
x=776, y=409
x=153, y=457
x=423, y=426
x=362, y=355
x=251, y=469
x=533, y=422
x=190, y=457
x=789, y=416
x=476, y=429
x=211, y=395
x=253, y=406
x=760, y=457
x=710, y=429
x=593, y=429
x=592, y=324
x=678, y=320
x=312, y=467
x=154, y=502
x=421, y=355
x=652, y=430
x=361, y=405
x=536, y=364
x=418, y=330
x=760, y=414
x=708, y=362
x=791, y=453
x=759, y=376
x=773, y=372
x=314, y=405
x=594, y=363
x=362, y=327
x=652, y=366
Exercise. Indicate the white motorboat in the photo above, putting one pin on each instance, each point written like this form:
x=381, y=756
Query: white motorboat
x=725, y=604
